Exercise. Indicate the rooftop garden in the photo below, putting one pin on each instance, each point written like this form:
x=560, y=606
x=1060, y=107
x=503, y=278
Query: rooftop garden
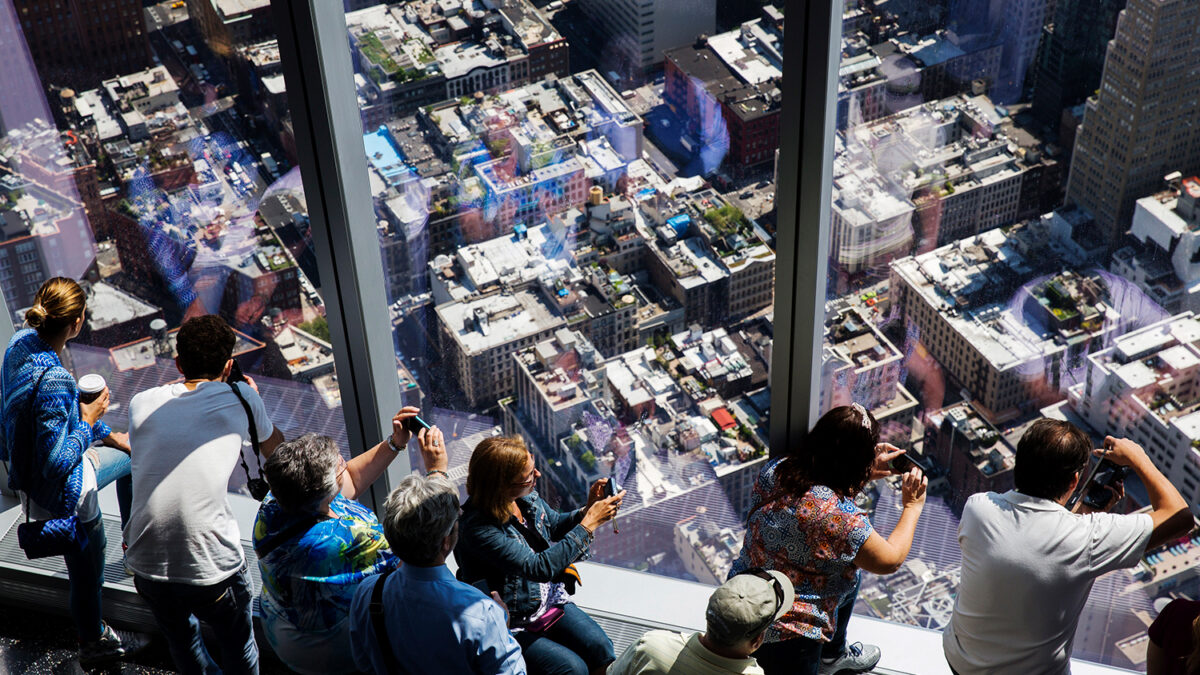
x=727, y=219
x=372, y=49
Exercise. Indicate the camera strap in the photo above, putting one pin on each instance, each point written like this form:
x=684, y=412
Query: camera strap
x=253, y=434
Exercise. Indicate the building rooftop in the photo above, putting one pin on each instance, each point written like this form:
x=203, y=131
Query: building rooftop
x=306, y=354
x=561, y=368
x=457, y=60
x=385, y=158
x=526, y=23
x=484, y=323
x=510, y=261
x=263, y=55
x=144, y=353
x=231, y=10
x=972, y=282
x=148, y=84
x=108, y=305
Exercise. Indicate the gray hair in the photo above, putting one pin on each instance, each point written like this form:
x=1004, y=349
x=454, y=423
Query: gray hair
x=301, y=473
x=417, y=516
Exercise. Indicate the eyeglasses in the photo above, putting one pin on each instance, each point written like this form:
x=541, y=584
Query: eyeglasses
x=763, y=574
x=341, y=469
x=526, y=482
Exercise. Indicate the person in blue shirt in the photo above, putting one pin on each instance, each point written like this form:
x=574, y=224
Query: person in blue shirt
x=315, y=544
x=434, y=623
x=60, y=454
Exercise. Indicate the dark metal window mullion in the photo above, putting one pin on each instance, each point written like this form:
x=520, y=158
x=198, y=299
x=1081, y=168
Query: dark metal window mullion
x=326, y=121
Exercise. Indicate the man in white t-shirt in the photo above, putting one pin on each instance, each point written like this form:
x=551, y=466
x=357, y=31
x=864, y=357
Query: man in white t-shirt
x=1029, y=564
x=738, y=615
x=184, y=546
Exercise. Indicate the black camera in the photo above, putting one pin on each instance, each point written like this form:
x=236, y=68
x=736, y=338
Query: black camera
x=610, y=487
x=1104, y=484
x=258, y=488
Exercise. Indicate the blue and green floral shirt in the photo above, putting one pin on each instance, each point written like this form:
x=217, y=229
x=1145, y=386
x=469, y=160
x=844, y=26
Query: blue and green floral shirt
x=310, y=581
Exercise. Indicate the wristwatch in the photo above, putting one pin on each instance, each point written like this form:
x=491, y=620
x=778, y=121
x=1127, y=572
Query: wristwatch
x=392, y=445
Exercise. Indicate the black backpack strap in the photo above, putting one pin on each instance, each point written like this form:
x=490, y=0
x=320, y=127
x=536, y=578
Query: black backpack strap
x=379, y=622
x=253, y=433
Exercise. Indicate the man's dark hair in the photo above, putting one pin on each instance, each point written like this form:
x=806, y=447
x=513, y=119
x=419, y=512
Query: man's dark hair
x=1048, y=455
x=204, y=344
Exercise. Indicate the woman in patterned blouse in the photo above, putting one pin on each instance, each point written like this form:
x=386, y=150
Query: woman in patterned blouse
x=315, y=543
x=804, y=523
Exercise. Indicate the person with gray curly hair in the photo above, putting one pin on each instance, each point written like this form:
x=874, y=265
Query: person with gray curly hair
x=315, y=543
x=427, y=620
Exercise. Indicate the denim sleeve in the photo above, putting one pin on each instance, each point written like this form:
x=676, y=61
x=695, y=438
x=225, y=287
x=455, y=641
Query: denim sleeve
x=495, y=651
x=560, y=523
x=513, y=556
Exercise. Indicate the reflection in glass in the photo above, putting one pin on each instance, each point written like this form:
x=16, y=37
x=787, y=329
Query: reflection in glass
x=576, y=236
x=147, y=152
x=973, y=292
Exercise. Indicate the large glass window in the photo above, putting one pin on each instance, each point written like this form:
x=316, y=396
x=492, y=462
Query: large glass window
x=575, y=210
x=1012, y=238
x=148, y=153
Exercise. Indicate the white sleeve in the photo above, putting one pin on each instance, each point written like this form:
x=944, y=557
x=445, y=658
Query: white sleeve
x=262, y=423
x=1118, y=541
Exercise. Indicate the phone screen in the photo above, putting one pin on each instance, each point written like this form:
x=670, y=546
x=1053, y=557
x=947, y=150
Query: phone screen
x=902, y=464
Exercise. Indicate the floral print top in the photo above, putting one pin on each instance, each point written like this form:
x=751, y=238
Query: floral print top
x=812, y=539
x=311, y=579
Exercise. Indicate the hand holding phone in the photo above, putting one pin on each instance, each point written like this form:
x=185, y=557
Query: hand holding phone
x=415, y=424
x=235, y=373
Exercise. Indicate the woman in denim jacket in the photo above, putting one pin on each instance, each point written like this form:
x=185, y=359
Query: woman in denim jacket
x=511, y=539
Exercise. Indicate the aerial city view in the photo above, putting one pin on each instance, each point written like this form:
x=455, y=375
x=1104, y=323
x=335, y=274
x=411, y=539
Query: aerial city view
x=575, y=209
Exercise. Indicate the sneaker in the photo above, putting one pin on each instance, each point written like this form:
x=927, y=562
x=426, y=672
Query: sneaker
x=112, y=646
x=858, y=658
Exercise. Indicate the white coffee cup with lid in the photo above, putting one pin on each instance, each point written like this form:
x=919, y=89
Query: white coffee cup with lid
x=90, y=387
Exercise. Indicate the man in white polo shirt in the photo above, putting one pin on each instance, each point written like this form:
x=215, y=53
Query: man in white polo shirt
x=1029, y=564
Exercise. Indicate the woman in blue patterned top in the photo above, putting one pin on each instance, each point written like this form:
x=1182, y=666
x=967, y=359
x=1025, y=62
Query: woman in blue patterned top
x=48, y=437
x=315, y=544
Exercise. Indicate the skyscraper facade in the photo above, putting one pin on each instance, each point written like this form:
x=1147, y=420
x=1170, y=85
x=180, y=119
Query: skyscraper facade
x=1144, y=121
x=638, y=31
x=1071, y=57
x=1015, y=25
x=77, y=43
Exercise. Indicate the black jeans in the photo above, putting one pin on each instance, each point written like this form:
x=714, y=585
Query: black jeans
x=179, y=608
x=802, y=656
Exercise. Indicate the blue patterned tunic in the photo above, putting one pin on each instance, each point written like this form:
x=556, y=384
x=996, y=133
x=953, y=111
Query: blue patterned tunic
x=310, y=581
x=44, y=439
x=812, y=539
